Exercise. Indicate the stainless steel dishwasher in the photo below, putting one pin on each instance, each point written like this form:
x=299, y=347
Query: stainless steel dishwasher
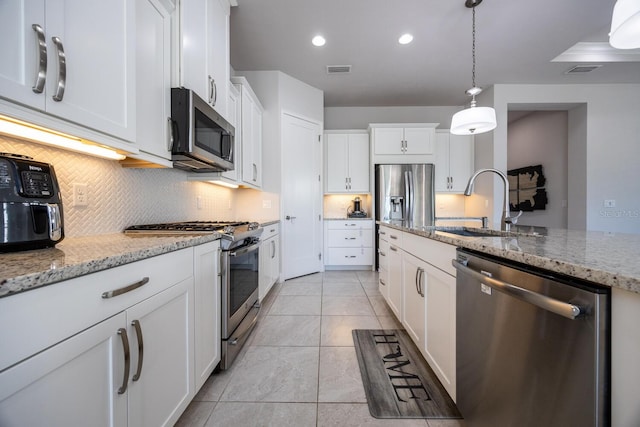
x=533, y=348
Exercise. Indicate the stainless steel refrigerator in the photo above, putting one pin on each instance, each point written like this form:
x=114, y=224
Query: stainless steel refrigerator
x=405, y=195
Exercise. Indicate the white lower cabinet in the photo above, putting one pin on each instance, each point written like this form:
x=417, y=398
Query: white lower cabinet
x=394, y=291
x=131, y=369
x=440, y=335
x=165, y=384
x=420, y=288
x=348, y=243
x=73, y=383
x=413, y=293
x=269, y=260
x=207, y=308
x=114, y=348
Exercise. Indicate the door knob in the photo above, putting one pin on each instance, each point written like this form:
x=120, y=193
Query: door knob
x=289, y=217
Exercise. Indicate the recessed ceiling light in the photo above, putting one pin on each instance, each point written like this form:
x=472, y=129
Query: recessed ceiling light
x=318, y=41
x=405, y=39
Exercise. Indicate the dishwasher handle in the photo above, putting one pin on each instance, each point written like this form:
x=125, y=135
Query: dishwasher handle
x=570, y=311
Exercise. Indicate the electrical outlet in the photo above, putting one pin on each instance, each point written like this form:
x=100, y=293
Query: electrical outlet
x=80, y=195
x=609, y=203
x=266, y=204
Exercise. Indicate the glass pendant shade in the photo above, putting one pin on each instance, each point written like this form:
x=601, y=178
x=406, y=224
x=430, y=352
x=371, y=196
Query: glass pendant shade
x=473, y=120
x=625, y=25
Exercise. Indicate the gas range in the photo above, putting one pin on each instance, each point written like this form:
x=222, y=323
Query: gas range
x=234, y=233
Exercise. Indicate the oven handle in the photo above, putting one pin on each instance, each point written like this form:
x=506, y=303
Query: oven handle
x=234, y=340
x=245, y=249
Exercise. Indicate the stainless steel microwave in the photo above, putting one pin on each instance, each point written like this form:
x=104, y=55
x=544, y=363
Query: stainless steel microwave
x=203, y=140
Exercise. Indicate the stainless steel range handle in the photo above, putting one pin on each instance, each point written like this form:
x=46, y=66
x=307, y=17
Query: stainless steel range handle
x=127, y=360
x=136, y=325
x=41, y=78
x=125, y=289
x=62, y=69
x=570, y=311
x=242, y=333
x=245, y=250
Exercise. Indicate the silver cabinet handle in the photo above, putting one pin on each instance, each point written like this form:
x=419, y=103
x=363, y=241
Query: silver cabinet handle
x=62, y=69
x=213, y=93
x=127, y=360
x=393, y=248
x=382, y=253
x=124, y=290
x=381, y=232
x=393, y=237
x=255, y=172
x=416, y=280
x=41, y=78
x=570, y=311
x=419, y=276
x=382, y=282
x=349, y=238
x=349, y=256
x=273, y=249
x=136, y=325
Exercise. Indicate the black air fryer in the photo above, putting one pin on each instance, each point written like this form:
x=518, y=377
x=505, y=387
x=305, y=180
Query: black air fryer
x=31, y=216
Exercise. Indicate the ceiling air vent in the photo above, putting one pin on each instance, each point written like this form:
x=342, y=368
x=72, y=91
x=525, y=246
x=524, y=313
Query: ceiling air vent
x=338, y=69
x=581, y=69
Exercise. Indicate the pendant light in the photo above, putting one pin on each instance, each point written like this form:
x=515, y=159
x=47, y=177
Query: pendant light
x=625, y=25
x=473, y=120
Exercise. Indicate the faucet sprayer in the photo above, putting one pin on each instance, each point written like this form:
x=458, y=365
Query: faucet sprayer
x=507, y=219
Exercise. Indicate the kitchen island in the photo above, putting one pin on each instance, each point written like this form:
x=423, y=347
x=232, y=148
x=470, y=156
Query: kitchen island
x=607, y=259
x=604, y=258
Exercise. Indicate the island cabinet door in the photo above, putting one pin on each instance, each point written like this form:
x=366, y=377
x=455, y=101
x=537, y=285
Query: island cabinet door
x=73, y=383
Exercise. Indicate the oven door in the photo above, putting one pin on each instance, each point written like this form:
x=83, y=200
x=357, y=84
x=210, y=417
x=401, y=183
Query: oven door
x=240, y=290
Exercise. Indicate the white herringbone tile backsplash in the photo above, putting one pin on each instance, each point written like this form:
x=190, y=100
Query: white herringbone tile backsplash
x=119, y=197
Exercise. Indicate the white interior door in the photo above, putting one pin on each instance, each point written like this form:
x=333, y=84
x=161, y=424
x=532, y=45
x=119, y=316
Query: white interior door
x=301, y=197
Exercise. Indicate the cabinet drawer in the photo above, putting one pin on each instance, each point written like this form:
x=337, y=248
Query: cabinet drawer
x=349, y=238
x=350, y=225
x=50, y=314
x=270, y=231
x=393, y=236
x=435, y=253
x=349, y=256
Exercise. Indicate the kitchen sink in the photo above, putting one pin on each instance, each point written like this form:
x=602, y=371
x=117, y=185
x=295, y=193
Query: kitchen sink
x=479, y=232
x=473, y=232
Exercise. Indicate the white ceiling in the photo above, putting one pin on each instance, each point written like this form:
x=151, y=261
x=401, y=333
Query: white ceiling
x=516, y=41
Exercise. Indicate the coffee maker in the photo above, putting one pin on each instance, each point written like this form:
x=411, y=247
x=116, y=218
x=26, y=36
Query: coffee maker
x=356, y=211
x=31, y=216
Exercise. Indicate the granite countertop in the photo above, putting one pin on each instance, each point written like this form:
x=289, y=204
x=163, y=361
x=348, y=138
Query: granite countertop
x=344, y=218
x=606, y=258
x=77, y=256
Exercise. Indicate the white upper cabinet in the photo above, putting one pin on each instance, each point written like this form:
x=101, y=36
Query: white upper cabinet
x=74, y=59
x=153, y=78
x=453, y=161
x=347, y=162
x=403, y=142
x=204, y=50
x=249, y=132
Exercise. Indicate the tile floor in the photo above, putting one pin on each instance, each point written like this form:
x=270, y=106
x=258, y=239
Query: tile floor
x=299, y=366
